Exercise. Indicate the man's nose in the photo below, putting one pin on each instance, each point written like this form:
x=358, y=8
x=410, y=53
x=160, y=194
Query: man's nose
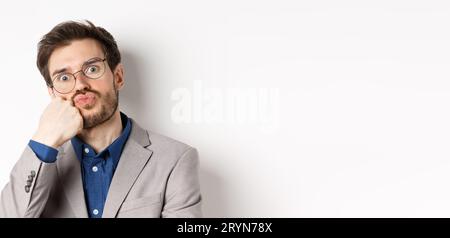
x=81, y=82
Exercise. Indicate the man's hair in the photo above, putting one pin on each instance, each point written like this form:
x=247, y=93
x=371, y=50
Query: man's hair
x=66, y=32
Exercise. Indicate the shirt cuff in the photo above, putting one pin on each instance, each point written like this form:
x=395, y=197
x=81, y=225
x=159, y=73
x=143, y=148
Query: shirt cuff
x=45, y=153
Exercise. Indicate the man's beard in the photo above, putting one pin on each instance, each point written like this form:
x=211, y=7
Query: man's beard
x=108, y=106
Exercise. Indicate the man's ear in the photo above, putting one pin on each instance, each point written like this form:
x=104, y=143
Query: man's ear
x=118, y=76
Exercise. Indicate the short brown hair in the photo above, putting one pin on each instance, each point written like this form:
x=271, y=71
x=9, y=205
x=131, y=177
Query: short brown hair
x=64, y=33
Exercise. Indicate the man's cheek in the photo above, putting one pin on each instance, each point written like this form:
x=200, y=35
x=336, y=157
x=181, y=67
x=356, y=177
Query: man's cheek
x=63, y=96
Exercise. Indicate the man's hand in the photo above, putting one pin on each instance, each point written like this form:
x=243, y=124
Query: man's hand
x=59, y=122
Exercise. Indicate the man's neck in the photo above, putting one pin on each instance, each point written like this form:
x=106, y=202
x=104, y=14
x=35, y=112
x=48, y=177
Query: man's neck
x=101, y=136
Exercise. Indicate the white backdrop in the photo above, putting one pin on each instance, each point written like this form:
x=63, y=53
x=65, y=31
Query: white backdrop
x=342, y=106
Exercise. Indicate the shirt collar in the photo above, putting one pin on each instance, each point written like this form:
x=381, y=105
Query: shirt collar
x=114, y=149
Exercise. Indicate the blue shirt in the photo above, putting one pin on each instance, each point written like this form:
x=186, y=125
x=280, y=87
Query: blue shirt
x=97, y=168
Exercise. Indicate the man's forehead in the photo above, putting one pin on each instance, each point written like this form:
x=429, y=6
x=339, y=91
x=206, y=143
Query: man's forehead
x=75, y=54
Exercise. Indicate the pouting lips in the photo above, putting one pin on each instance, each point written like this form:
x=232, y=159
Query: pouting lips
x=84, y=99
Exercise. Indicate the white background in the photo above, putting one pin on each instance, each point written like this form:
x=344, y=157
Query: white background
x=363, y=108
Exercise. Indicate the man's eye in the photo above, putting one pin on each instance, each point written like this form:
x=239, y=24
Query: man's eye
x=63, y=78
x=92, y=69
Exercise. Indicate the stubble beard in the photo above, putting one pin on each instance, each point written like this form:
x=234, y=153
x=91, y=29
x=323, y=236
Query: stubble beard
x=109, y=104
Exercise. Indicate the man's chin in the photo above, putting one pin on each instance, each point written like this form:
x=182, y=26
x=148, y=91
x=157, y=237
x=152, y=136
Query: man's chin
x=94, y=117
x=85, y=107
x=89, y=121
x=88, y=112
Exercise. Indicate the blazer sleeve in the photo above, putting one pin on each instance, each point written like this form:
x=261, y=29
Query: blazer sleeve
x=183, y=198
x=28, y=188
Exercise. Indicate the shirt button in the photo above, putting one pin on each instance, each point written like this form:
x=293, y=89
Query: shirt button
x=95, y=212
x=95, y=169
x=86, y=150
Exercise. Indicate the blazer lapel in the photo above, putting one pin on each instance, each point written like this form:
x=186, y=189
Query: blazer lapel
x=133, y=159
x=70, y=176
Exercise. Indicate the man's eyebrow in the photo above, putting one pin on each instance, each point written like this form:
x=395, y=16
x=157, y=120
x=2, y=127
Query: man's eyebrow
x=92, y=60
x=59, y=71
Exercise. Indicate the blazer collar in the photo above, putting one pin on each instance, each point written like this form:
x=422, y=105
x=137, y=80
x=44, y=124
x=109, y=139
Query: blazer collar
x=69, y=172
x=134, y=158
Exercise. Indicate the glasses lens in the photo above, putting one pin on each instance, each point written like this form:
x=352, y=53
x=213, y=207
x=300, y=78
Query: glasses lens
x=94, y=70
x=64, y=83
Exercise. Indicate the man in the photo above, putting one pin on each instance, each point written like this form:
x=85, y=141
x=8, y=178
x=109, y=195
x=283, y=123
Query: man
x=88, y=159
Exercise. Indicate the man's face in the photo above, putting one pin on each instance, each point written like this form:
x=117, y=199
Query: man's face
x=96, y=99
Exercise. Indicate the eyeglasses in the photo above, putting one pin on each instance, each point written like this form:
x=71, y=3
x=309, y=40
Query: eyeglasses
x=65, y=82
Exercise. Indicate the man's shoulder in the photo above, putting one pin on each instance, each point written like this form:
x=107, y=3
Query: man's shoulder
x=161, y=143
x=160, y=140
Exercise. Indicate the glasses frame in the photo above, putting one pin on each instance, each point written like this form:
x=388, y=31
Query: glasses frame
x=82, y=71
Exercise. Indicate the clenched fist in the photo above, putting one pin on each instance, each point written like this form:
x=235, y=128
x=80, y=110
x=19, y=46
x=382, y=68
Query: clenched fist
x=59, y=122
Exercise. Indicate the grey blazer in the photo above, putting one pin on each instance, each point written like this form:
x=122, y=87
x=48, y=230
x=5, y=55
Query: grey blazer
x=156, y=177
